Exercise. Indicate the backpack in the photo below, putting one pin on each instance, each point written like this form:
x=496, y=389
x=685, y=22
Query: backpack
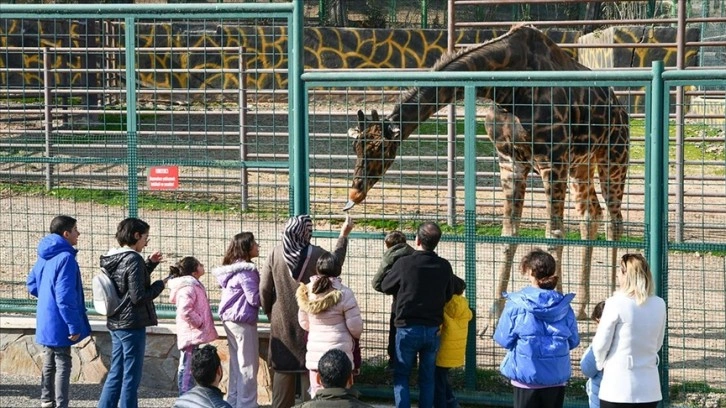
x=106, y=299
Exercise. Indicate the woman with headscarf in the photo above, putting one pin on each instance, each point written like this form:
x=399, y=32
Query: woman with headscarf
x=290, y=264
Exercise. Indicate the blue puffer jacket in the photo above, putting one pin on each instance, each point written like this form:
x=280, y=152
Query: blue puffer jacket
x=538, y=328
x=56, y=281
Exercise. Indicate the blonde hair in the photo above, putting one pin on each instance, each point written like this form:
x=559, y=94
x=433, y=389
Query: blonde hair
x=637, y=280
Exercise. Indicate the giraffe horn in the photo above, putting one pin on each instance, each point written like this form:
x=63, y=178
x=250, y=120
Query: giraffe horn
x=361, y=120
x=374, y=115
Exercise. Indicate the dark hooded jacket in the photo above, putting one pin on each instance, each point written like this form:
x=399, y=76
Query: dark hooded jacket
x=132, y=276
x=390, y=256
x=335, y=398
x=538, y=329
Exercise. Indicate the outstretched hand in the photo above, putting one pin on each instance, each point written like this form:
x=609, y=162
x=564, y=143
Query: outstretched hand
x=347, y=226
x=156, y=257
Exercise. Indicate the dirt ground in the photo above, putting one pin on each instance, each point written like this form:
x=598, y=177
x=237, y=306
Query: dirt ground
x=695, y=285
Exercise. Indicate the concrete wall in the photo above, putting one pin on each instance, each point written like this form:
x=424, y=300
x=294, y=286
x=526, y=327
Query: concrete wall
x=19, y=354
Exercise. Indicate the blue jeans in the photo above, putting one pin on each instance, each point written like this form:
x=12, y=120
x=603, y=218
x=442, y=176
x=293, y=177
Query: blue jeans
x=411, y=341
x=127, y=363
x=56, y=377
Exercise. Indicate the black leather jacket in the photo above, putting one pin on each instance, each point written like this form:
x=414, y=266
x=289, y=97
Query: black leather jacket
x=202, y=397
x=132, y=276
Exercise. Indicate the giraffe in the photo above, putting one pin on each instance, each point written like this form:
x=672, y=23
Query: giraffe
x=560, y=133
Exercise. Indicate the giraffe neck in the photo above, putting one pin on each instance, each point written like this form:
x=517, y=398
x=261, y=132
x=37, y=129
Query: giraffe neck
x=521, y=49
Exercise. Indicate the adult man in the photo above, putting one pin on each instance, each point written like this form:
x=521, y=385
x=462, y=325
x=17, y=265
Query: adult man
x=207, y=372
x=61, y=318
x=335, y=372
x=422, y=283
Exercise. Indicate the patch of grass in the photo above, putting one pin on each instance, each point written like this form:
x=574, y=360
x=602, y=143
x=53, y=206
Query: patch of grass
x=486, y=380
x=683, y=393
x=117, y=121
x=483, y=229
x=161, y=200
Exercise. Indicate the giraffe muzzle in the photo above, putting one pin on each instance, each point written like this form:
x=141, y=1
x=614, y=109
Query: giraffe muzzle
x=350, y=204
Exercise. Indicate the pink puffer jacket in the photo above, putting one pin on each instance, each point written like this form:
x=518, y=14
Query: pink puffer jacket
x=332, y=320
x=194, y=322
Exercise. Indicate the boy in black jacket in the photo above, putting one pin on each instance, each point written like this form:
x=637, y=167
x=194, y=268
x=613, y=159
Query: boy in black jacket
x=396, y=247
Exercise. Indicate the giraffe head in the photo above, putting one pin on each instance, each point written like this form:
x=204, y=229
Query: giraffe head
x=376, y=144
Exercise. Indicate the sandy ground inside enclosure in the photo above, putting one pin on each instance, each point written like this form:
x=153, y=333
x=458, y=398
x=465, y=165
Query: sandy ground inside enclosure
x=696, y=284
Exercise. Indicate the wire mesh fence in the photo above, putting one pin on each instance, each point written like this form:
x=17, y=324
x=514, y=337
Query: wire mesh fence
x=201, y=163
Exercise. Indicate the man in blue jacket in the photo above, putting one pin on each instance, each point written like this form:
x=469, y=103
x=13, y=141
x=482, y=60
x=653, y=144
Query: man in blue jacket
x=61, y=318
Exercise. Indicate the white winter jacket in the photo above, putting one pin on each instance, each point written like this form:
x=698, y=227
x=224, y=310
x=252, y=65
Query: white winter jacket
x=332, y=320
x=626, y=347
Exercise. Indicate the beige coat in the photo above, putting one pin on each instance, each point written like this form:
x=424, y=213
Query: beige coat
x=277, y=294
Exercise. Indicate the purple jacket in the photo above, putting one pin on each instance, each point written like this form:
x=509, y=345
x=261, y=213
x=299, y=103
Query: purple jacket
x=240, y=284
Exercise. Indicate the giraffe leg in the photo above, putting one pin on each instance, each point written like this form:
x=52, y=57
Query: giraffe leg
x=513, y=179
x=588, y=207
x=554, y=179
x=612, y=174
x=505, y=130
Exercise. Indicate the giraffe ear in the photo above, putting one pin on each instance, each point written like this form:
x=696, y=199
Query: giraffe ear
x=374, y=115
x=361, y=120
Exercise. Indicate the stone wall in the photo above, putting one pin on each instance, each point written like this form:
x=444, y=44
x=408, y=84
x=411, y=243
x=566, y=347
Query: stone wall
x=19, y=354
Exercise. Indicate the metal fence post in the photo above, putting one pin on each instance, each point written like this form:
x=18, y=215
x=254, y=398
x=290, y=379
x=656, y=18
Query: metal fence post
x=470, y=226
x=656, y=223
x=451, y=129
x=47, y=96
x=244, y=176
x=299, y=156
x=131, y=131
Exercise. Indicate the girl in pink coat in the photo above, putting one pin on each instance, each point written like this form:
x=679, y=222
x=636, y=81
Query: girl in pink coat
x=329, y=312
x=194, y=322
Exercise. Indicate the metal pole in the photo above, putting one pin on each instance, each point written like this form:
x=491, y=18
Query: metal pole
x=424, y=14
x=451, y=128
x=470, y=227
x=322, y=9
x=657, y=224
x=48, y=117
x=244, y=176
x=132, y=143
x=300, y=162
x=680, y=150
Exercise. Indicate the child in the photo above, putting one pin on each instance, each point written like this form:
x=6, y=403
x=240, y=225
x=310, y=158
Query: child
x=329, y=312
x=538, y=329
x=587, y=364
x=238, y=310
x=194, y=322
x=452, y=348
x=396, y=247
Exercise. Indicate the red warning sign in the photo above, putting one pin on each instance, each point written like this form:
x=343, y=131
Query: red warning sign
x=163, y=178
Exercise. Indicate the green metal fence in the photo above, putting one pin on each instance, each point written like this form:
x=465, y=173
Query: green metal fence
x=247, y=158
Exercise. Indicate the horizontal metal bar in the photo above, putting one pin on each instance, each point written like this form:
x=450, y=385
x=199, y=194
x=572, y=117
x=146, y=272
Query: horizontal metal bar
x=373, y=77
x=148, y=162
x=146, y=11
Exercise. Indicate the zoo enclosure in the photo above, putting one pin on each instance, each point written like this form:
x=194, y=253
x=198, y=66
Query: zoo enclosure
x=91, y=153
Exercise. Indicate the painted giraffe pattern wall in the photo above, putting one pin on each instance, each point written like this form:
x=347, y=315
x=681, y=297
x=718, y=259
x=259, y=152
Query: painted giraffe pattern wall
x=266, y=48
